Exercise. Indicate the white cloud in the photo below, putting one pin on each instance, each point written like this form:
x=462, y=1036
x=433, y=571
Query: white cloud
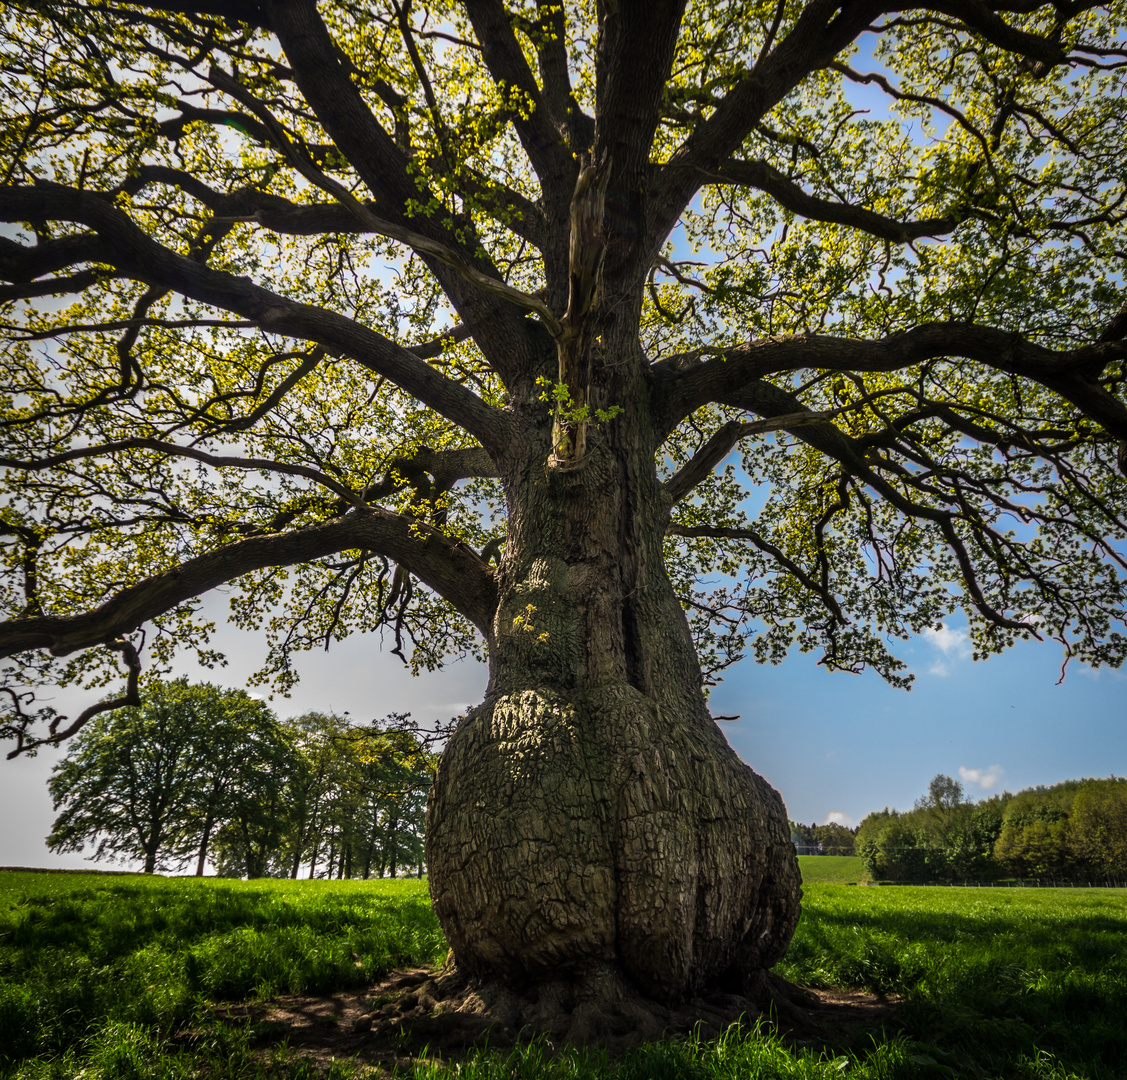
x=949, y=642
x=939, y=668
x=838, y=817
x=1095, y=674
x=981, y=778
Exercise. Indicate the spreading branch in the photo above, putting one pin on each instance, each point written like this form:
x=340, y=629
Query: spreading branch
x=133, y=252
x=162, y=446
x=771, y=401
x=685, y=382
x=384, y=168
x=763, y=176
x=451, y=569
x=723, y=441
x=424, y=245
x=54, y=735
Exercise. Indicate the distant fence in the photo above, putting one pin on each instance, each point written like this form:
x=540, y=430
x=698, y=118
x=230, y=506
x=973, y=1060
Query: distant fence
x=1020, y=883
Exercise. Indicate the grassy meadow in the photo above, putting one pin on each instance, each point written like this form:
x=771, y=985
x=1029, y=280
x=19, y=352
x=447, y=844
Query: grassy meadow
x=117, y=978
x=832, y=869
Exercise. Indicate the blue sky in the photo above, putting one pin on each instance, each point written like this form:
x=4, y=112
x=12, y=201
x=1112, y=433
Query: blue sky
x=849, y=744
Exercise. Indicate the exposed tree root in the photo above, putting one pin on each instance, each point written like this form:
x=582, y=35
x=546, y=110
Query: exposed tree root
x=445, y=1013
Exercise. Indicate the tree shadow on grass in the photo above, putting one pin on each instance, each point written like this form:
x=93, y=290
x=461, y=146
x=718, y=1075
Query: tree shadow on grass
x=395, y=1022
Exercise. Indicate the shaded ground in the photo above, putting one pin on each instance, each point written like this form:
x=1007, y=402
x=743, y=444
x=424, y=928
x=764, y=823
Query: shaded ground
x=439, y=1014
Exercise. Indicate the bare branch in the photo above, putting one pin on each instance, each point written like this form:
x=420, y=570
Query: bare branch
x=216, y=461
x=765, y=177
x=767, y=400
x=130, y=697
x=717, y=532
x=283, y=216
x=697, y=469
x=20, y=263
x=424, y=245
x=683, y=383
x=503, y=335
x=822, y=30
x=428, y=350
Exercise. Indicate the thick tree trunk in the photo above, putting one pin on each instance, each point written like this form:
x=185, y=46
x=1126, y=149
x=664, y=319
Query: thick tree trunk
x=205, y=838
x=393, y=847
x=589, y=820
x=368, y=851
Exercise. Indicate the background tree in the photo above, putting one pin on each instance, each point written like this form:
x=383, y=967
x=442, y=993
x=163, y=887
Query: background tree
x=1098, y=828
x=151, y=783
x=255, y=806
x=240, y=757
x=249, y=844
x=627, y=242
x=397, y=777
x=941, y=805
x=944, y=836
x=1035, y=843
x=349, y=799
x=834, y=839
x=894, y=847
x=1072, y=831
x=320, y=789
x=802, y=836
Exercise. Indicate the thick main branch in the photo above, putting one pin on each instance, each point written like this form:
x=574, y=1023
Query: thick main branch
x=453, y=570
x=686, y=382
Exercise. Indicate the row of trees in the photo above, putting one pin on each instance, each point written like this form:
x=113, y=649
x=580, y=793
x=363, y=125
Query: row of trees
x=1073, y=830
x=199, y=773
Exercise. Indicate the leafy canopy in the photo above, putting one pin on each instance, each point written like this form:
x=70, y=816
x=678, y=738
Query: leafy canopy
x=283, y=285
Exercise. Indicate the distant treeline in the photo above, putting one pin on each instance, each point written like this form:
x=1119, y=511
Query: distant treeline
x=1075, y=830
x=828, y=839
x=200, y=774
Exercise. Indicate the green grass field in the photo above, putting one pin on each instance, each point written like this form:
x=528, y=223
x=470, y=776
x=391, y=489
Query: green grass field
x=832, y=869
x=113, y=978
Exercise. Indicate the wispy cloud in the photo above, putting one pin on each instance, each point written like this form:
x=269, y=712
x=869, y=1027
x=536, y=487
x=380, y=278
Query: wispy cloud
x=985, y=779
x=949, y=642
x=1095, y=674
x=839, y=817
x=953, y=644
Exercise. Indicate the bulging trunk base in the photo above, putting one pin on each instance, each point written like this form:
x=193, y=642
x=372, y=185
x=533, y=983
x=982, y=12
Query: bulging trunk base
x=608, y=844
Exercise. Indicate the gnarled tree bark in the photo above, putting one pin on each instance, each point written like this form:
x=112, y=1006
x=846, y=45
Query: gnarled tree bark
x=590, y=828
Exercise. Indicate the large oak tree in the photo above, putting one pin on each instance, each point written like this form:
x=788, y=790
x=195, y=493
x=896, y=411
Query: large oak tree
x=455, y=318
